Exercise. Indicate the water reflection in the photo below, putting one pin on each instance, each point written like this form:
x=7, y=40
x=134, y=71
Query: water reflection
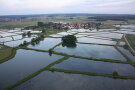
x=50, y=52
x=23, y=64
x=61, y=81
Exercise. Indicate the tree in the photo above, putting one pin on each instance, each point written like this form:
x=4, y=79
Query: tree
x=115, y=74
x=29, y=34
x=97, y=26
x=117, y=28
x=24, y=34
x=24, y=43
x=50, y=52
x=44, y=31
x=40, y=24
x=69, y=41
x=37, y=40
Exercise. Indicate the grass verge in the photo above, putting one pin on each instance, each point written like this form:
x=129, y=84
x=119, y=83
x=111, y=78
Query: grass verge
x=91, y=73
x=131, y=40
x=12, y=54
x=56, y=45
x=128, y=59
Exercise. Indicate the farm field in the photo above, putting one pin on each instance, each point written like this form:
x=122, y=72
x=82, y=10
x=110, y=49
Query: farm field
x=98, y=55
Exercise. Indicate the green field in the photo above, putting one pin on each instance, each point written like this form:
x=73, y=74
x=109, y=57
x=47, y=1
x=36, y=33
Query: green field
x=6, y=53
x=32, y=21
x=131, y=40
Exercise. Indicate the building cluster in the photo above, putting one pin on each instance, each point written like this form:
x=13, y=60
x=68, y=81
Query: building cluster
x=60, y=25
x=9, y=19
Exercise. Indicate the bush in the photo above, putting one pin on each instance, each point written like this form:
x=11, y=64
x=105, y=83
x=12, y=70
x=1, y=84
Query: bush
x=24, y=34
x=37, y=40
x=29, y=34
x=115, y=74
x=24, y=43
x=69, y=41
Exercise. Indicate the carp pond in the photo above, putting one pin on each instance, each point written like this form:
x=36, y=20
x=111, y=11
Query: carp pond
x=99, y=60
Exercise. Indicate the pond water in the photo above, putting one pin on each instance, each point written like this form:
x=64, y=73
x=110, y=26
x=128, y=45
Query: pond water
x=8, y=34
x=18, y=42
x=98, y=33
x=1, y=32
x=104, y=38
x=95, y=51
x=12, y=31
x=84, y=65
x=64, y=33
x=61, y=81
x=127, y=52
x=19, y=32
x=56, y=35
x=17, y=37
x=106, y=29
x=122, y=43
x=80, y=35
x=27, y=62
x=96, y=41
x=111, y=35
x=125, y=32
x=46, y=44
x=23, y=64
x=80, y=30
x=5, y=39
x=128, y=26
x=72, y=32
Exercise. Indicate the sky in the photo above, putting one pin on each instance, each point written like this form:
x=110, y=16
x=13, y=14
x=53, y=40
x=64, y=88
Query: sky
x=24, y=7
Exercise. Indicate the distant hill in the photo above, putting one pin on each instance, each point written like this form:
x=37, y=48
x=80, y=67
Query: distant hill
x=69, y=14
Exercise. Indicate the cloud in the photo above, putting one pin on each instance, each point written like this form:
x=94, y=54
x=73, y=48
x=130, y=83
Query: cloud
x=66, y=6
x=36, y=4
x=116, y=3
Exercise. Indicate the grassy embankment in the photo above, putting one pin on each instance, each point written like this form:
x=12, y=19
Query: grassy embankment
x=7, y=53
x=131, y=40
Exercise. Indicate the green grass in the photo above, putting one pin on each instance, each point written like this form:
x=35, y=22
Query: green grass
x=131, y=21
x=91, y=73
x=56, y=45
x=7, y=54
x=30, y=22
x=128, y=59
x=77, y=19
x=16, y=24
x=131, y=40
